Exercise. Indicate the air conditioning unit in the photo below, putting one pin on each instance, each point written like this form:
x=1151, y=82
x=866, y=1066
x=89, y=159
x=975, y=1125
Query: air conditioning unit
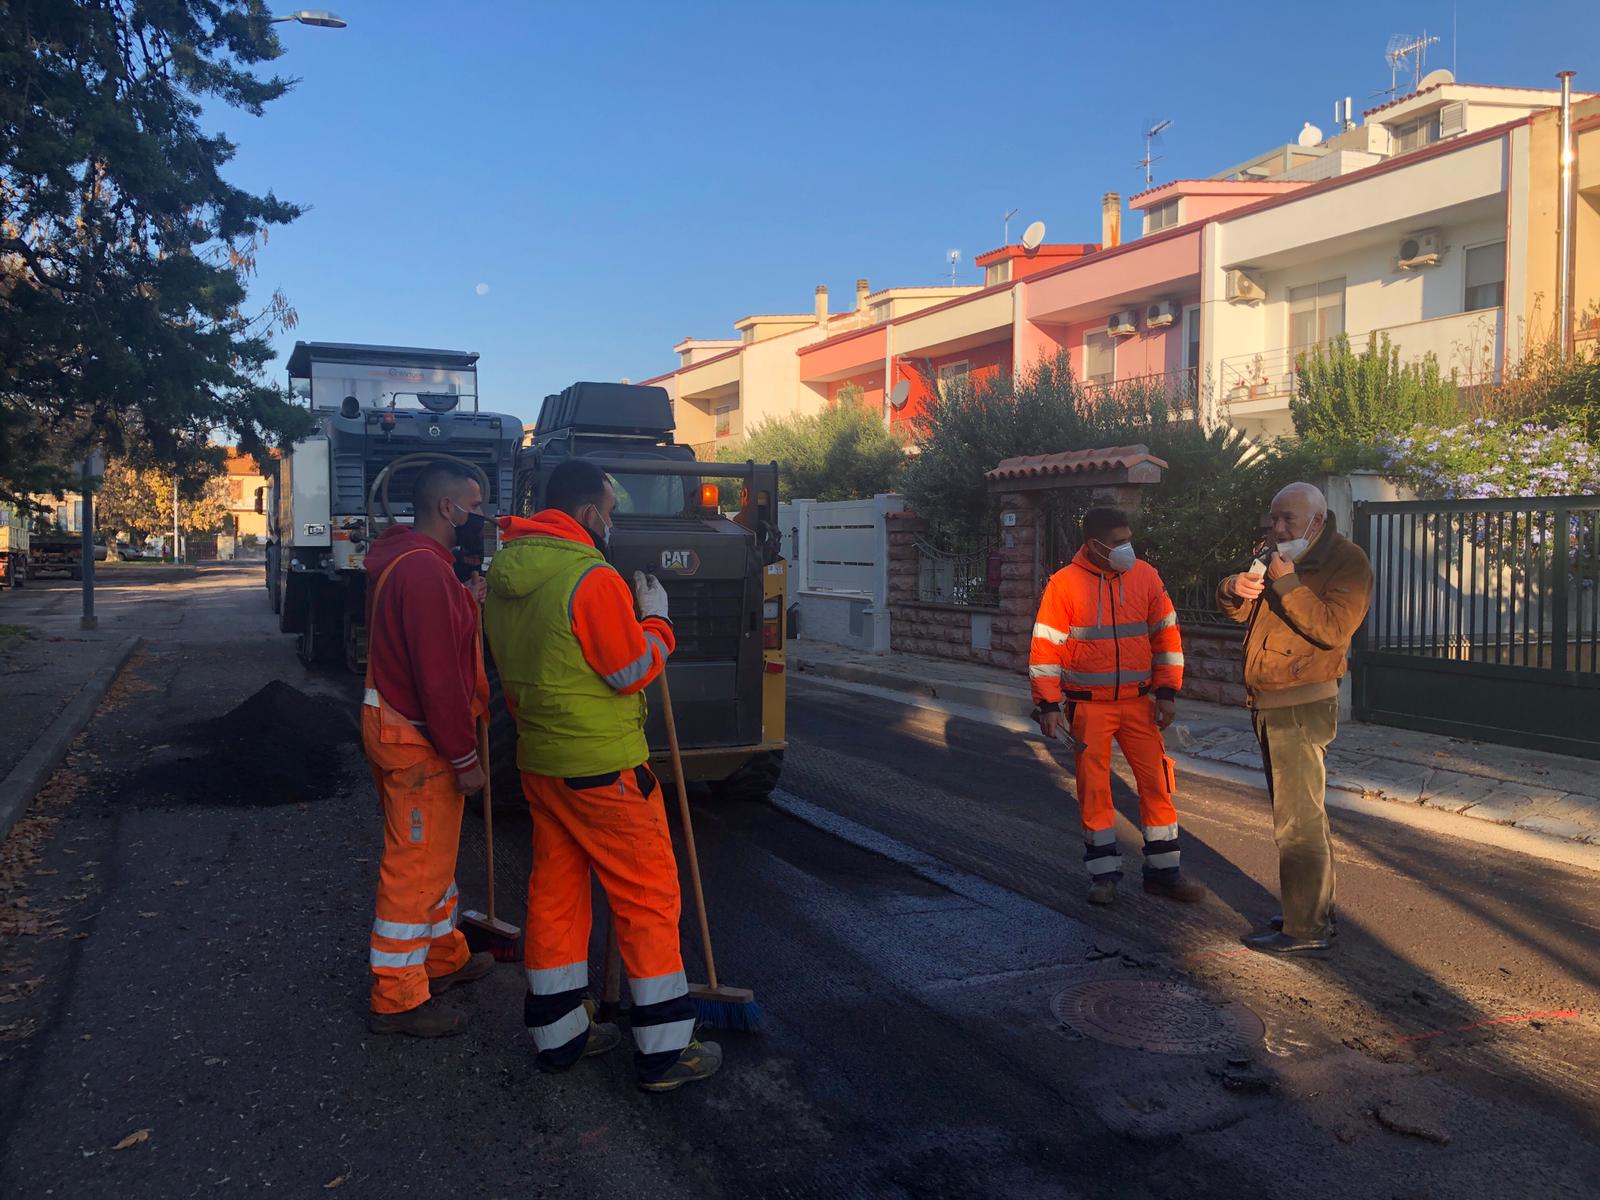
x=1123, y=324
x=1160, y=314
x=1243, y=288
x=1421, y=249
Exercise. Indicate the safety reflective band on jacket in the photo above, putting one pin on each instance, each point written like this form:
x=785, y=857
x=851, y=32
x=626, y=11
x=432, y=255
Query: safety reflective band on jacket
x=573, y=657
x=1104, y=636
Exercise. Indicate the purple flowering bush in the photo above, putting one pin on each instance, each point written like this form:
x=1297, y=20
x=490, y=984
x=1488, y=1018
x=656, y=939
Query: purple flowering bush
x=1487, y=459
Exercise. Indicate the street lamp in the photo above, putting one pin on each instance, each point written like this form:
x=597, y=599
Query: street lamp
x=318, y=17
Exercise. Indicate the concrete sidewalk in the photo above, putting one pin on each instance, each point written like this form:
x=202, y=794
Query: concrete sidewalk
x=1549, y=794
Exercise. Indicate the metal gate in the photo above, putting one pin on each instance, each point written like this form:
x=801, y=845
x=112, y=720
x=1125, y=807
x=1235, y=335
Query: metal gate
x=1485, y=620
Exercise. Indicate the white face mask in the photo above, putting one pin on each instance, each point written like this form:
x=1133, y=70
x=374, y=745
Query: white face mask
x=1295, y=547
x=1121, y=558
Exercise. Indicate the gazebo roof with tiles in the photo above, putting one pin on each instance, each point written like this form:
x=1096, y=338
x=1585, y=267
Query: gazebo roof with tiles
x=1077, y=468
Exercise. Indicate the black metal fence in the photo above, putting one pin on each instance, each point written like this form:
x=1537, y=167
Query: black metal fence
x=962, y=570
x=1485, y=619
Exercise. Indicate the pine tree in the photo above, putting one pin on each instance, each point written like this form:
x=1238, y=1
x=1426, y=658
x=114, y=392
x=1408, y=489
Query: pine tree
x=125, y=255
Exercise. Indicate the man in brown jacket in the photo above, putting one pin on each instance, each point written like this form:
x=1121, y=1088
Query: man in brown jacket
x=1302, y=613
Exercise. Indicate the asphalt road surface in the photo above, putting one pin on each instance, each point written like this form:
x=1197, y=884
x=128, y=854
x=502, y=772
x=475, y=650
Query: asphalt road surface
x=910, y=913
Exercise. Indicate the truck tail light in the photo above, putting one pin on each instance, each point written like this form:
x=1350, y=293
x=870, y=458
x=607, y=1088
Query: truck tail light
x=771, y=635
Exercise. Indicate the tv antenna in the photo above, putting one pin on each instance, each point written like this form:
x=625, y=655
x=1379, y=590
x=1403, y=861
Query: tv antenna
x=1150, y=136
x=1006, y=237
x=1407, y=52
x=953, y=257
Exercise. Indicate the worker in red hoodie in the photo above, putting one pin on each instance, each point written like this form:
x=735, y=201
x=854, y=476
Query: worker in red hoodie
x=1107, y=646
x=425, y=691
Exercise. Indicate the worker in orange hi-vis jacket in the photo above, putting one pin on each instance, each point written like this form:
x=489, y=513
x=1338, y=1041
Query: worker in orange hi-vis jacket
x=1106, y=646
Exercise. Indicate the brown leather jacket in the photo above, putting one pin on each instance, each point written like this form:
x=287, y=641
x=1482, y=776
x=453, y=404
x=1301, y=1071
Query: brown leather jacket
x=1300, y=628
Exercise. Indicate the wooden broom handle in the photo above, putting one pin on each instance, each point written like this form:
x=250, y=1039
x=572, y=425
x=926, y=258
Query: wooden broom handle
x=488, y=813
x=688, y=830
x=611, y=988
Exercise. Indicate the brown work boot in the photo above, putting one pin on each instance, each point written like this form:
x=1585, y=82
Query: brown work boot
x=474, y=969
x=1175, y=887
x=430, y=1019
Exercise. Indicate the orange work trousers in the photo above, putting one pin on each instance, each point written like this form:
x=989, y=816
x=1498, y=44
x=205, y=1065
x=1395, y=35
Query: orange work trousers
x=614, y=825
x=414, y=935
x=1132, y=724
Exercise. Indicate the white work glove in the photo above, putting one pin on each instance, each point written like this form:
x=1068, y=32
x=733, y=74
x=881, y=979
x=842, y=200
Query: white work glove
x=650, y=596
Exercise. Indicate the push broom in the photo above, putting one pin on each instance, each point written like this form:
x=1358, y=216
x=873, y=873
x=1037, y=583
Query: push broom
x=483, y=930
x=715, y=1004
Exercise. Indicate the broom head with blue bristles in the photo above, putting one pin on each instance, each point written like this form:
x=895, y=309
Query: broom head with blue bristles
x=730, y=1008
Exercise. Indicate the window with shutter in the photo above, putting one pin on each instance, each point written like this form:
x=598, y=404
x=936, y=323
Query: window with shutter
x=1486, y=277
x=1099, y=357
x=1316, y=313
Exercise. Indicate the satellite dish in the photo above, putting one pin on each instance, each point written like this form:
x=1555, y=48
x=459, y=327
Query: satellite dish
x=1033, y=235
x=1310, y=135
x=1435, y=78
x=900, y=394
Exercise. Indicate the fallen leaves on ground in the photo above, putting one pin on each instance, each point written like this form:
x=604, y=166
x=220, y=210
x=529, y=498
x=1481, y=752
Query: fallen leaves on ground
x=135, y=1138
x=336, y=1181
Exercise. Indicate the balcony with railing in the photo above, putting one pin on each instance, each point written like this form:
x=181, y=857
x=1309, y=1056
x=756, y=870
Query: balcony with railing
x=1264, y=376
x=1179, y=389
x=1466, y=345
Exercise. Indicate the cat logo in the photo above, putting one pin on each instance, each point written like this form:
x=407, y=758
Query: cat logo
x=684, y=562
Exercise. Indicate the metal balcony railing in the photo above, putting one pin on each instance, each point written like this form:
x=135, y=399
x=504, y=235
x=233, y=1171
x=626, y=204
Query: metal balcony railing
x=1262, y=376
x=1180, y=389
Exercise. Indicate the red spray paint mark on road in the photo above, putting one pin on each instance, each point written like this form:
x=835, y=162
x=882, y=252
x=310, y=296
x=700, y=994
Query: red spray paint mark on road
x=1564, y=1014
x=593, y=1135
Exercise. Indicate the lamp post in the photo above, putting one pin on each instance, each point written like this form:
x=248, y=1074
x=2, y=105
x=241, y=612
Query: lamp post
x=318, y=18
x=92, y=468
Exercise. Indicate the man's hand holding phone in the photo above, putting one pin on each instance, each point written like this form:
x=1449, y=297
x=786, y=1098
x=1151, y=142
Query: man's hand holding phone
x=1248, y=585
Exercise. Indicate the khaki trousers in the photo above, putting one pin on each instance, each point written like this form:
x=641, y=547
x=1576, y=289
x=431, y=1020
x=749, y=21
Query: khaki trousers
x=1294, y=743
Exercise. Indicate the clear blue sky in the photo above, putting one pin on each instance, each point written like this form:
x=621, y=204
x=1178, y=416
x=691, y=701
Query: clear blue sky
x=621, y=175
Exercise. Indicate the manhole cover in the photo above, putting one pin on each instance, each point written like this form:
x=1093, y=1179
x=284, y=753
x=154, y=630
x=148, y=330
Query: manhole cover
x=1147, y=1014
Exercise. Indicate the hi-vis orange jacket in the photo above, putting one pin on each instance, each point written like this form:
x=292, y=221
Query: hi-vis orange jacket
x=1104, y=636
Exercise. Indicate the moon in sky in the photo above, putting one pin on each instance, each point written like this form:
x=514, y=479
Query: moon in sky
x=482, y=289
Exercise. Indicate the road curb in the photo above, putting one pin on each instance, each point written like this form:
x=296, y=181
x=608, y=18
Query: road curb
x=951, y=693
x=1553, y=847
x=19, y=788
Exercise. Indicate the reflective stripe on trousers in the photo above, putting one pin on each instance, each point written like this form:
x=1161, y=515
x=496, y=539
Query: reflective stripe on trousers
x=414, y=936
x=615, y=827
x=1131, y=724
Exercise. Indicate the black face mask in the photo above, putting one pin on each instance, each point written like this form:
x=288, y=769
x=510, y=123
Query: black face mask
x=469, y=534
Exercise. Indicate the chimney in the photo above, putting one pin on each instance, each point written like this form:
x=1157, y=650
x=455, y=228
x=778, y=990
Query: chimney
x=822, y=304
x=861, y=295
x=1110, y=220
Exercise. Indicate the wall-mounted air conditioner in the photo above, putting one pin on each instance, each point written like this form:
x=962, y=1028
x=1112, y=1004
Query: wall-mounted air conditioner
x=1160, y=314
x=1123, y=324
x=1243, y=288
x=1420, y=249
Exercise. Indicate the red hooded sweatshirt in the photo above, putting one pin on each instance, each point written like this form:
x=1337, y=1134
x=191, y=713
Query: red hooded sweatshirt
x=422, y=641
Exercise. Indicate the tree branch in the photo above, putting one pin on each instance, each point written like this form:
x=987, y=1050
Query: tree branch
x=31, y=257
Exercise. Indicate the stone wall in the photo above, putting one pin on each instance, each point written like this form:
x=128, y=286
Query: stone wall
x=1213, y=664
x=999, y=637
x=996, y=637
